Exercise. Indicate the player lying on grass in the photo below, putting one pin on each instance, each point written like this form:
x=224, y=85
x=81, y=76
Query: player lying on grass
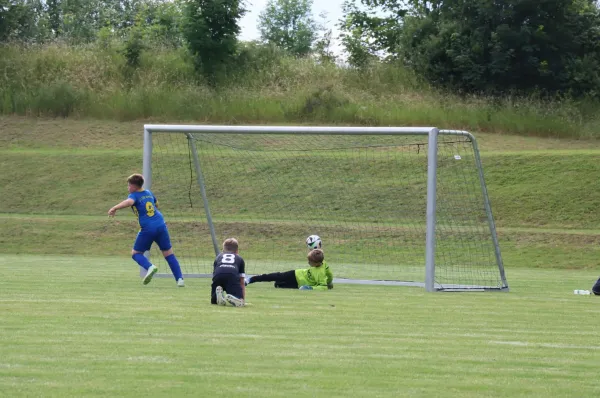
x=317, y=277
x=596, y=288
x=228, y=276
x=152, y=229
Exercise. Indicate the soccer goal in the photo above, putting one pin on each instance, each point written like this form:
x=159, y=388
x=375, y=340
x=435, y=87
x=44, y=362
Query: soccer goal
x=393, y=205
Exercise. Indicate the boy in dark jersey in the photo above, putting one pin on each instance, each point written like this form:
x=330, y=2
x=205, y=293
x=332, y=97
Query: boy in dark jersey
x=152, y=229
x=228, y=276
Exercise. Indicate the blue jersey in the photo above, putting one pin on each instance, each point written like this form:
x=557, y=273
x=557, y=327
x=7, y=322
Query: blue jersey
x=144, y=207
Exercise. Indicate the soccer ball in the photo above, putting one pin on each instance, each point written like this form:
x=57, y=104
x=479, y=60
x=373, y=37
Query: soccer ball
x=313, y=242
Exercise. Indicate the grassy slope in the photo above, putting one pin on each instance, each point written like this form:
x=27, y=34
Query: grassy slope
x=48, y=133
x=552, y=190
x=532, y=181
x=543, y=191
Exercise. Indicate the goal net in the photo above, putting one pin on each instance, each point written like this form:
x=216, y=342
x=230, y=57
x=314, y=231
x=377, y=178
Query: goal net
x=391, y=205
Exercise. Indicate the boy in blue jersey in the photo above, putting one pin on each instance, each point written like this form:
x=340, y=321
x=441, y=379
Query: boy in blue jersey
x=152, y=229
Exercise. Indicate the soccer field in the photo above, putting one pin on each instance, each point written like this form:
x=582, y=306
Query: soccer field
x=76, y=321
x=85, y=326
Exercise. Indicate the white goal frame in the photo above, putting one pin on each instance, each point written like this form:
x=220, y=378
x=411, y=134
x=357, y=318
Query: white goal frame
x=431, y=133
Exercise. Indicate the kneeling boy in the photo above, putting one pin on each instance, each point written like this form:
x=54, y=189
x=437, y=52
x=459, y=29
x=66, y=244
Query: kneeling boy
x=228, y=276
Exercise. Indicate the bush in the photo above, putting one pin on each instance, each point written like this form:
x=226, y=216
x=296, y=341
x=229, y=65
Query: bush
x=58, y=99
x=133, y=48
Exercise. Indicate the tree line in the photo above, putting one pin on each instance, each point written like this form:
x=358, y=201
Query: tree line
x=492, y=47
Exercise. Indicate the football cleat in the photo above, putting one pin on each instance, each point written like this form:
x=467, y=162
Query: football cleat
x=150, y=273
x=234, y=301
x=220, y=296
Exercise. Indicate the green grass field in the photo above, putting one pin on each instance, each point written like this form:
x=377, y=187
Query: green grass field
x=75, y=319
x=85, y=326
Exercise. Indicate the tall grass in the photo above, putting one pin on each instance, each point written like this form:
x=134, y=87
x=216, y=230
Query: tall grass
x=96, y=81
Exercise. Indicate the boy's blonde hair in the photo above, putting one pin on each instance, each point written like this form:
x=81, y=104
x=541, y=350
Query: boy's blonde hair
x=230, y=245
x=316, y=257
x=136, y=179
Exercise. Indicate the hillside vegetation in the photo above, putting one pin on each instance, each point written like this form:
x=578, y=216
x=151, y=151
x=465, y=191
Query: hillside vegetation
x=95, y=81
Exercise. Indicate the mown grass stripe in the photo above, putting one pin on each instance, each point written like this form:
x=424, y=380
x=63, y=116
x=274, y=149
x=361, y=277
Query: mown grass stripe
x=87, y=218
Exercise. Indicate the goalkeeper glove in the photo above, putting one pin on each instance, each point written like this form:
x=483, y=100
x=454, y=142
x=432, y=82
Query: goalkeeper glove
x=305, y=287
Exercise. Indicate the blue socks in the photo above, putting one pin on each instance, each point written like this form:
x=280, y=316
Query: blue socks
x=141, y=260
x=174, y=265
x=172, y=260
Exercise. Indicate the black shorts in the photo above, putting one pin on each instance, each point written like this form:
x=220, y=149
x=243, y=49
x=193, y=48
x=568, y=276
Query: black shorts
x=229, y=282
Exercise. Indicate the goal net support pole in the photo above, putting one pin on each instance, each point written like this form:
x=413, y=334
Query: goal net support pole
x=431, y=209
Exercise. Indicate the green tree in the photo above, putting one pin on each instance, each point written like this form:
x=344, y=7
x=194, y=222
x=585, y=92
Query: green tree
x=289, y=24
x=210, y=30
x=54, y=14
x=323, y=45
x=20, y=20
x=164, y=22
x=372, y=29
x=498, y=46
x=79, y=20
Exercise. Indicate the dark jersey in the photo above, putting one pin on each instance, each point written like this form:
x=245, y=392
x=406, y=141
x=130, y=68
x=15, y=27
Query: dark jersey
x=229, y=263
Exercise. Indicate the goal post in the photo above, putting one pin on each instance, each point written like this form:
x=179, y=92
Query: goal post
x=393, y=205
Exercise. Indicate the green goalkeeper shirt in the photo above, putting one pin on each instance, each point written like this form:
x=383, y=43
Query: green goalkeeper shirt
x=317, y=277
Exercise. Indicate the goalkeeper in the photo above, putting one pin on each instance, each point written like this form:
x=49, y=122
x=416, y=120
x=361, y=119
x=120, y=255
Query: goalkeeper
x=317, y=277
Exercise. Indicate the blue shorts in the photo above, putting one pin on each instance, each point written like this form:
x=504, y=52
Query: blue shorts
x=146, y=237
